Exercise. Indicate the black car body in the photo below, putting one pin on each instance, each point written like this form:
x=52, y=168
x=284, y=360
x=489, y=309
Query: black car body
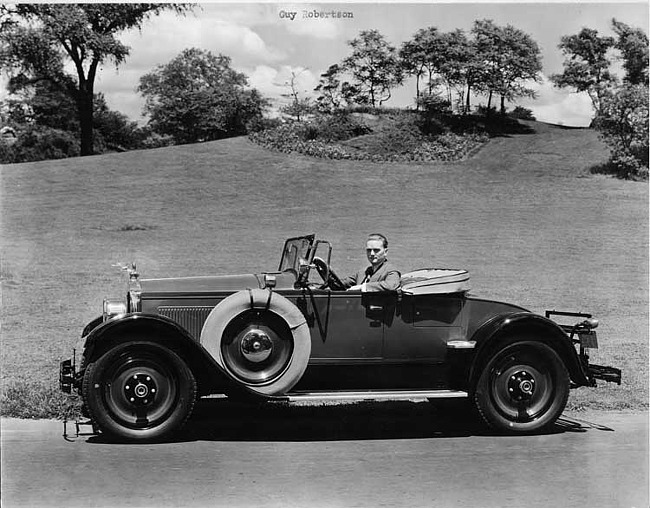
x=296, y=334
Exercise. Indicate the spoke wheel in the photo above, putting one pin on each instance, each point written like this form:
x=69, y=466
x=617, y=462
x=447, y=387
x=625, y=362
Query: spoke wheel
x=523, y=388
x=139, y=391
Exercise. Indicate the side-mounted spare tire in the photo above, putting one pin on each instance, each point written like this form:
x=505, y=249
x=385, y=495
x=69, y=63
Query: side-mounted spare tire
x=260, y=339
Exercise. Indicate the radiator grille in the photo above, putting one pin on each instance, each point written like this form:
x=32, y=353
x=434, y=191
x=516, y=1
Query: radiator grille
x=190, y=318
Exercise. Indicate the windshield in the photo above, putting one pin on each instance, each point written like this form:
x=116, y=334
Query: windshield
x=294, y=250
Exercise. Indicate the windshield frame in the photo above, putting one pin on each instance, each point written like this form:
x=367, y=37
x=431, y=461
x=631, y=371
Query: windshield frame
x=296, y=249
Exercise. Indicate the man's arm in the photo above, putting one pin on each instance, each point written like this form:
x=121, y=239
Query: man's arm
x=350, y=281
x=388, y=283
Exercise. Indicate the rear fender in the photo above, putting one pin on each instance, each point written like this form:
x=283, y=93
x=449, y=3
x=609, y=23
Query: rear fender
x=501, y=330
x=161, y=330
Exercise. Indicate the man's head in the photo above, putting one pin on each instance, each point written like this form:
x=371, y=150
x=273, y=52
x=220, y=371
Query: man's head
x=376, y=248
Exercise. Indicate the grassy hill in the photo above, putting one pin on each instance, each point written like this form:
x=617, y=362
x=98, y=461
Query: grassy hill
x=524, y=215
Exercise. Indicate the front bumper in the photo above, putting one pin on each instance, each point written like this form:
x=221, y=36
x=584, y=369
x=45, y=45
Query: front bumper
x=66, y=375
x=69, y=377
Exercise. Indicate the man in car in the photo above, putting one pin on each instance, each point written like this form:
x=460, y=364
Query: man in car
x=381, y=275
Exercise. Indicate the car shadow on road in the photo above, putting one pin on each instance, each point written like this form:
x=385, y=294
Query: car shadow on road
x=227, y=421
x=224, y=420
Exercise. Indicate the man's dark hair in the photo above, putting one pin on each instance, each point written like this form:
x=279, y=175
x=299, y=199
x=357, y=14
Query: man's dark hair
x=379, y=236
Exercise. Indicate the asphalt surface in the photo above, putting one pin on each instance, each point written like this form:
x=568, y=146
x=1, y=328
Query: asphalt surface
x=372, y=455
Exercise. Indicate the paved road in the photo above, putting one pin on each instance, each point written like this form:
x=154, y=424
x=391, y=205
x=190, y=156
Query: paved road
x=401, y=455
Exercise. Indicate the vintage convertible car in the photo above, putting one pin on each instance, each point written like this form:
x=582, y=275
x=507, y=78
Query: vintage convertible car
x=294, y=334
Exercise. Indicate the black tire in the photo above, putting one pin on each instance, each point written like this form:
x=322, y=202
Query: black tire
x=522, y=389
x=139, y=391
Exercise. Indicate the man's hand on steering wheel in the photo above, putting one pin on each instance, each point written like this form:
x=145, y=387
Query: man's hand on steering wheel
x=330, y=279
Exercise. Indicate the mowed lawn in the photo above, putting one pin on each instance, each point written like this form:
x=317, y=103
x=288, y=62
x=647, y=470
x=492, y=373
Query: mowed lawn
x=523, y=215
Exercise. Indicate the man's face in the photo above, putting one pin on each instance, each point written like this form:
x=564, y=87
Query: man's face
x=375, y=252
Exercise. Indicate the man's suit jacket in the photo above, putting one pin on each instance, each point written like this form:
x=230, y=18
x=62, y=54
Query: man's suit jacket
x=385, y=278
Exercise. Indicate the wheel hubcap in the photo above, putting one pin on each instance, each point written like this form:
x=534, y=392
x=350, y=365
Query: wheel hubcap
x=521, y=385
x=140, y=389
x=256, y=346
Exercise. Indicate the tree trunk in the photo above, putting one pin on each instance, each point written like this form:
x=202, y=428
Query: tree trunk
x=467, y=104
x=85, y=97
x=85, y=109
x=489, y=104
x=503, y=105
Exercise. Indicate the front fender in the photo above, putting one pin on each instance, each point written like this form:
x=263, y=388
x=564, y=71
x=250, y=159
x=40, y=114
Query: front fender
x=501, y=329
x=162, y=330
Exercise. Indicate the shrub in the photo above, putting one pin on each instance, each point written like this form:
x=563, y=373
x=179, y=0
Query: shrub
x=401, y=137
x=482, y=110
x=339, y=127
x=399, y=142
x=433, y=110
x=41, y=143
x=628, y=166
x=258, y=124
x=522, y=113
x=155, y=140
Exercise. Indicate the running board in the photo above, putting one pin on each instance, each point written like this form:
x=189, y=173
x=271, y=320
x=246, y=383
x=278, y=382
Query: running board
x=376, y=395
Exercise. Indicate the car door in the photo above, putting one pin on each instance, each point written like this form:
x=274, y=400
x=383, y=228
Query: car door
x=422, y=327
x=345, y=326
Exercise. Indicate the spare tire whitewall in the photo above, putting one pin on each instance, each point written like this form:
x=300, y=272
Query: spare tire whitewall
x=260, y=339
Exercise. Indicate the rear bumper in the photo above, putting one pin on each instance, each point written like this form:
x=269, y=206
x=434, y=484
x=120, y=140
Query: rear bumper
x=583, y=336
x=609, y=374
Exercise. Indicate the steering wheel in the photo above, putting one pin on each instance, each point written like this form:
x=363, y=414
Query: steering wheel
x=332, y=281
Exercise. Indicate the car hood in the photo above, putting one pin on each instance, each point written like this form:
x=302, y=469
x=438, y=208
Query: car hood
x=213, y=284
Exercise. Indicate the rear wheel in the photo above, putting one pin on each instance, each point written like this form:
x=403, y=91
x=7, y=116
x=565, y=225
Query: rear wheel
x=139, y=391
x=523, y=388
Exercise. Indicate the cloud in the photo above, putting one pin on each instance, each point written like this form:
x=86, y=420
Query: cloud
x=272, y=82
x=559, y=106
x=167, y=35
x=119, y=89
x=164, y=37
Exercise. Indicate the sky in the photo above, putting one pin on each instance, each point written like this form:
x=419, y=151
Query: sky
x=268, y=41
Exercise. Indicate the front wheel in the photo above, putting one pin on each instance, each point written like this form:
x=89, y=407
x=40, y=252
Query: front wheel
x=523, y=388
x=139, y=391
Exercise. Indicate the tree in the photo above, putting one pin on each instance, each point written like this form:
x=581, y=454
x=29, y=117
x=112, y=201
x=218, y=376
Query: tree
x=458, y=66
x=375, y=66
x=43, y=104
x=298, y=106
x=198, y=96
x=423, y=55
x=508, y=58
x=586, y=65
x=623, y=123
x=633, y=45
x=86, y=34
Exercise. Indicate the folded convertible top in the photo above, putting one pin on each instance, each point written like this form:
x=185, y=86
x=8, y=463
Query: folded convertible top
x=435, y=281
